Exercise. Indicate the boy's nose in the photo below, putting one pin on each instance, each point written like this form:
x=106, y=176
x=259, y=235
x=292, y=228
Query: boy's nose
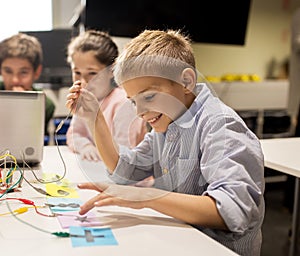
x=15, y=79
x=141, y=109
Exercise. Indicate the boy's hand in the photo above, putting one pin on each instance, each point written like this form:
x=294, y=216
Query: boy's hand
x=120, y=195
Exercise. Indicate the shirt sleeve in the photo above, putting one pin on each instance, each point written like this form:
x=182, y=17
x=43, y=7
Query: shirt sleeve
x=134, y=164
x=232, y=165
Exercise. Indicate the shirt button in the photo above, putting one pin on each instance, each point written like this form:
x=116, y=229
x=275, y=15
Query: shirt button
x=165, y=171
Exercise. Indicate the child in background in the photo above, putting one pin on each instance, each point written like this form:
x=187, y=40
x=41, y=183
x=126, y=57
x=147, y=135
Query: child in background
x=207, y=165
x=90, y=54
x=21, y=58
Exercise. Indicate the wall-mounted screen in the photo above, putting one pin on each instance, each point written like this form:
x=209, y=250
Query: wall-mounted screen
x=217, y=22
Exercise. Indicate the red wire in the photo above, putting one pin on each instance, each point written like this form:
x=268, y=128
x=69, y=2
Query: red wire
x=29, y=202
x=23, y=200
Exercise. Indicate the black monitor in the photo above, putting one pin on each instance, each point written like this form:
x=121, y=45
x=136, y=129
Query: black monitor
x=217, y=22
x=54, y=42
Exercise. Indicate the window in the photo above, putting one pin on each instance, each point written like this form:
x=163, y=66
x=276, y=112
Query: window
x=29, y=15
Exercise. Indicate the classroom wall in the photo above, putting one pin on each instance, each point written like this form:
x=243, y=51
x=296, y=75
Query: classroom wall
x=267, y=39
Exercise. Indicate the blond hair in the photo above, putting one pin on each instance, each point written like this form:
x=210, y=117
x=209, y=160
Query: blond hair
x=155, y=53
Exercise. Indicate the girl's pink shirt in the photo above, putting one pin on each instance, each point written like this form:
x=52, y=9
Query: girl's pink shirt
x=125, y=126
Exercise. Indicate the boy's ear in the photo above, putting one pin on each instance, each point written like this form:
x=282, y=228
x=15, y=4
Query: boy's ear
x=38, y=72
x=188, y=79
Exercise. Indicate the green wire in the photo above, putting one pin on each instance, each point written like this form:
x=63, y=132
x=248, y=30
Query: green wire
x=9, y=173
x=13, y=186
x=58, y=234
x=61, y=234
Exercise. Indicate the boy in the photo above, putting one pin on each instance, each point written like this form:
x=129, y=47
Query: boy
x=21, y=59
x=206, y=164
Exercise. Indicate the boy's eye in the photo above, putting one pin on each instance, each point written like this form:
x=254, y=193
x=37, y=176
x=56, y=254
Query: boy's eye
x=142, y=98
x=24, y=72
x=7, y=71
x=149, y=97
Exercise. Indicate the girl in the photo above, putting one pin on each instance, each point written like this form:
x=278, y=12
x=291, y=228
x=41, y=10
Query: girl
x=91, y=55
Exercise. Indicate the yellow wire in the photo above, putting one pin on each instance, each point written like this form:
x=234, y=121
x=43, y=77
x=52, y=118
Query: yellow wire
x=21, y=210
x=15, y=164
x=17, y=211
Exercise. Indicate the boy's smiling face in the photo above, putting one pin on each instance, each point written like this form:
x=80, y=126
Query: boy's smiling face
x=158, y=101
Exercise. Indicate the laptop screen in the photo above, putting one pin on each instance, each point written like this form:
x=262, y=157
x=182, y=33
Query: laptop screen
x=22, y=125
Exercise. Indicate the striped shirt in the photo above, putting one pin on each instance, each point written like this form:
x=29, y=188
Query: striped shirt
x=208, y=150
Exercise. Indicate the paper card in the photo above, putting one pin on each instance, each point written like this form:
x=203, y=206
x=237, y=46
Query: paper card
x=59, y=188
x=68, y=219
x=64, y=204
x=85, y=236
x=55, y=178
x=61, y=191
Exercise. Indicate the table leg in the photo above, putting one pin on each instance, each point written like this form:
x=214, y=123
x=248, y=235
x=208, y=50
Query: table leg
x=260, y=123
x=295, y=220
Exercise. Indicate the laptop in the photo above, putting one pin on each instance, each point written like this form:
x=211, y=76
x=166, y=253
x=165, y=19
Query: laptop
x=22, y=125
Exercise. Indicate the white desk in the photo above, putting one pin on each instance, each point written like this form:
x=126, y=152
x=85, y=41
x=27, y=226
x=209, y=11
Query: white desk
x=138, y=232
x=283, y=155
x=258, y=96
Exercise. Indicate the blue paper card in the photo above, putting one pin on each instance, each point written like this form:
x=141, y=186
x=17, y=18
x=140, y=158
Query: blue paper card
x=85, y=236
x=63, y=204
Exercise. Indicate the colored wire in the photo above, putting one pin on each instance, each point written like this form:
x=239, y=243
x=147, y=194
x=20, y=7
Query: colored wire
x=29, y=202
x=49, y=181
x=58, y=234
x=12, y=170
x=62, y=122
x=56, y=142
x=59, y=152
x=5, y=155
x=13, y=186
x=22, y=177
x=39, y=190
x=17, y=211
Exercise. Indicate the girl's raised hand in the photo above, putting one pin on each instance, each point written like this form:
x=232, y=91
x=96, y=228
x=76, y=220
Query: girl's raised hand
x=82, y=102
x=73, y=96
